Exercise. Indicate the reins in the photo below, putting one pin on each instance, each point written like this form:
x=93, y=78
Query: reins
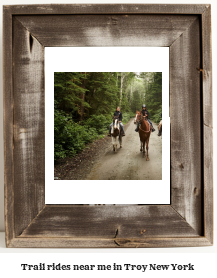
x=145, y=130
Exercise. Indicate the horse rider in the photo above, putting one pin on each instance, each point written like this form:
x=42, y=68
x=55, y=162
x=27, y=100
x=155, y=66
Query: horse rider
x=119, y=115
x=145, y=113
x=160, y=131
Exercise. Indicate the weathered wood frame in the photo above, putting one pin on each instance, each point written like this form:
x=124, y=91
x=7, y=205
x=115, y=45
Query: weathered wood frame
x=186, y=29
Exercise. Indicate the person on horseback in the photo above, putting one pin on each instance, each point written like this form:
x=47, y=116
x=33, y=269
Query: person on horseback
x=160, y=126
x=119, y=115
x=145, y=113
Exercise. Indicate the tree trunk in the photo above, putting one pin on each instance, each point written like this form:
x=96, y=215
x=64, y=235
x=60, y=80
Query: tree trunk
x=121, y=91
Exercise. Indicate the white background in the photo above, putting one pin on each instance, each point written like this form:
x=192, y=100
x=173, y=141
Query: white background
x=204, y=258
x=105, y=59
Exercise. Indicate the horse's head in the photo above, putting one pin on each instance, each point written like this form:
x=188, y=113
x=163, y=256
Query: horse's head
x=116, y=122
x=137, y=117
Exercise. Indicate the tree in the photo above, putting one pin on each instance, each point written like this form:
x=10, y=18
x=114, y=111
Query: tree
x=153, y=95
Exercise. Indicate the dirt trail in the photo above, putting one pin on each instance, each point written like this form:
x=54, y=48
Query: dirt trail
x=128, y=163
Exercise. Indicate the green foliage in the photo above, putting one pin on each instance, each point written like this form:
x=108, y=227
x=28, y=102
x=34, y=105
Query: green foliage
x=70, y=137
x=125, y=107
x=68, y=89
x=98, y=122
x=136, y=103
x=157, y=116
x=153, y=96
x=132, y=114
x=126, y=117
x=136, y=92
x=102, y=94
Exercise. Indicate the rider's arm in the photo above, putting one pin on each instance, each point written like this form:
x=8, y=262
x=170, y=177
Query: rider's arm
x=120, y=117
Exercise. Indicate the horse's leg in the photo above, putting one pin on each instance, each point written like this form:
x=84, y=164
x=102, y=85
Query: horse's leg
x=113, y=143
x=120, y=141
x=147, y=158
x=140, y=146
x=144, y=148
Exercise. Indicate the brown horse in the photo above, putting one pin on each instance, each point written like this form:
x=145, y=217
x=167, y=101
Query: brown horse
x=160, y=129
x=144, y=132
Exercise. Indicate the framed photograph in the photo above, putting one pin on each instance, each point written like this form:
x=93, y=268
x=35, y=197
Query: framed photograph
x=186, y=218
x=145, y=79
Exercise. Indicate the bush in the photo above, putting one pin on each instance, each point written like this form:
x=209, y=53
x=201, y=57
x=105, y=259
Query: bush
x=132, y=114
x=157, y=116
x=70, y=137
x=100, y=123
x=126, y=117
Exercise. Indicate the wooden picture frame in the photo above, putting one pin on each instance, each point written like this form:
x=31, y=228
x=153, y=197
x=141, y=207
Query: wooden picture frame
x=186, y=30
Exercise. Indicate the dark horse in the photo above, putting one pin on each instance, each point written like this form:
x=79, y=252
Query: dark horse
x=116, y=134
x=144, y=132
x=160, y=129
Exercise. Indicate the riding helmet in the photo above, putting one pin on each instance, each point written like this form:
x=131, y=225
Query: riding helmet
x=143, y=105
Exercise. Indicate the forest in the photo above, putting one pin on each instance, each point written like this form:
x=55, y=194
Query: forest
x=84, y=103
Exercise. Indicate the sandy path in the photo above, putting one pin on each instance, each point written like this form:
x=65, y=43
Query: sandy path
x=128, y=163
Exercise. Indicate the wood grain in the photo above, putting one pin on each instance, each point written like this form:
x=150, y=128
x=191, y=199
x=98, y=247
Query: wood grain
x=109, y=222
x=208, y=182
x=107, y=30
x=208, y=122
x=207, y=66
x=8, y=125
x=106, y=9
x=29, y=140
x=185, y=113
x=58, y=242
